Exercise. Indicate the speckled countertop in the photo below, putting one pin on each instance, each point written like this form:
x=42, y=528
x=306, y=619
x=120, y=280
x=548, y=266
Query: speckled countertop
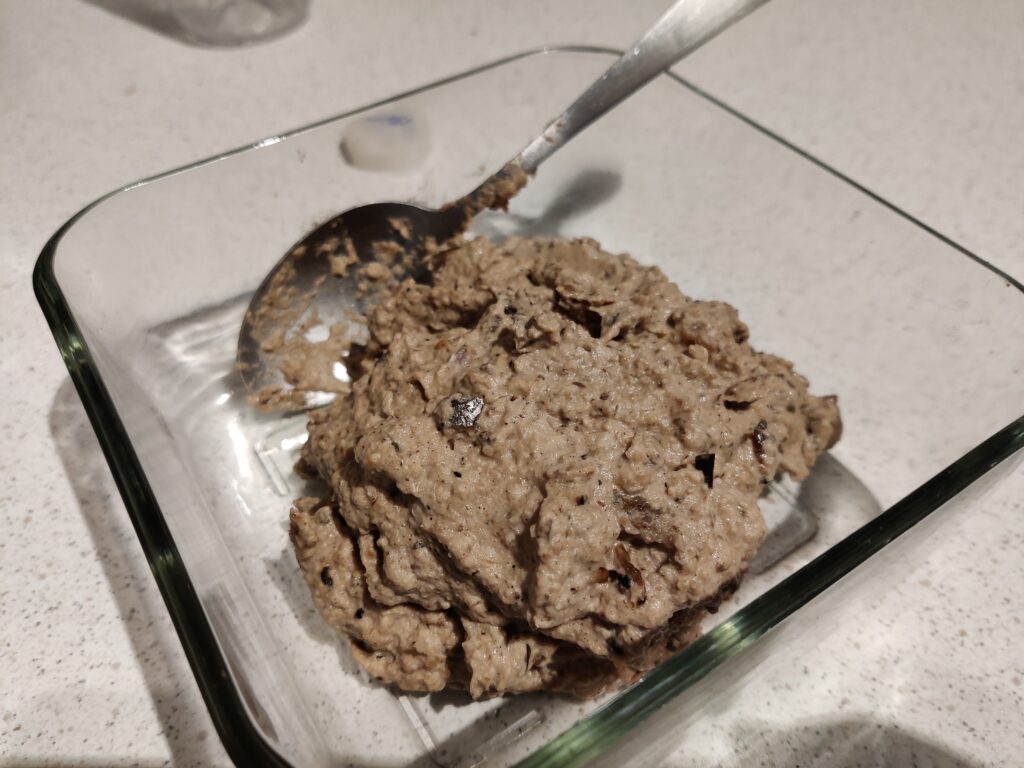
x=921, y=101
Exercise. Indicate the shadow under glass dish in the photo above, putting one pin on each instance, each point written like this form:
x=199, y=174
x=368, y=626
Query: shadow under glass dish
x=146, y=312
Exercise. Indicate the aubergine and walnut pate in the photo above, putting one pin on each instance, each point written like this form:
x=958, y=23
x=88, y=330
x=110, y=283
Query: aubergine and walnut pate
x=545, y=471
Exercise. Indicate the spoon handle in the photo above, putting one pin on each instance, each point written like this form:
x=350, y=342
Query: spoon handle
x=683, y=28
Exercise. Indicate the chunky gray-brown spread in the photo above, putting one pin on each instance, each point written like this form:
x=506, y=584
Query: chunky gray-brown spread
x=546, y=471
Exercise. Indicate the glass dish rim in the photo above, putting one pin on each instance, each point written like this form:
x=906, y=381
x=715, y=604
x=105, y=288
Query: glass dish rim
x=596, y=732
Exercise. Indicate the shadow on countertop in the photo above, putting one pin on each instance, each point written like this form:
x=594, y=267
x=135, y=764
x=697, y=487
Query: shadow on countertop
x=151, y=14
x=141, y=609
x=858, y=741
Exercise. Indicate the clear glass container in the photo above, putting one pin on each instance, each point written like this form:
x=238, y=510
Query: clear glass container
x=236, y=22
x=145, y=290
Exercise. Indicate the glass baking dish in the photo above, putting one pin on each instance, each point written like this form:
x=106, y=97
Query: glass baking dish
x=145, y=289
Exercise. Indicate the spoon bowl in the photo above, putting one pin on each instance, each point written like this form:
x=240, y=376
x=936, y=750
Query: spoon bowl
x=321, y=282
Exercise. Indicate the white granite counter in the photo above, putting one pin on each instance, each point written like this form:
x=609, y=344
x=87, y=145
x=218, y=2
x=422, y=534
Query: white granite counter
x=921, y=101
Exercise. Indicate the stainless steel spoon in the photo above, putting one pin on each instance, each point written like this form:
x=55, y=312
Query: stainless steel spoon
x=303, y=282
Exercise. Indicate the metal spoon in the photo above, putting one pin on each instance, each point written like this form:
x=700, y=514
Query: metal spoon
x=303, y=281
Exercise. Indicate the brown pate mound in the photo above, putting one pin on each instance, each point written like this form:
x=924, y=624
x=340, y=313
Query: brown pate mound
x=546, y=471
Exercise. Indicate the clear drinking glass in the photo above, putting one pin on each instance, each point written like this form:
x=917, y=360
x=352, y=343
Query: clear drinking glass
x=145, y=291
x=236, y=22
